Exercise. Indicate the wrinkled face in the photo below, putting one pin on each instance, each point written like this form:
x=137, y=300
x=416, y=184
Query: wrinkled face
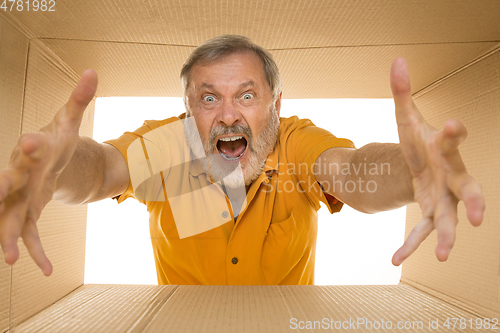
x=235, y=116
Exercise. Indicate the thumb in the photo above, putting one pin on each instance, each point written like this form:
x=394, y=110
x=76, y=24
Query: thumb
x=82, y=95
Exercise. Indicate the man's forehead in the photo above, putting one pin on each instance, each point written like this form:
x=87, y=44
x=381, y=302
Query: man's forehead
x=244, y=62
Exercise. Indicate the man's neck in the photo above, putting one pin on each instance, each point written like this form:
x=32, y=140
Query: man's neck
x=236, y=197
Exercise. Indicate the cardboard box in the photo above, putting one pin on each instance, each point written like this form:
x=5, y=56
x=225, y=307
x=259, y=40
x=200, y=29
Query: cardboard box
x=325, y=49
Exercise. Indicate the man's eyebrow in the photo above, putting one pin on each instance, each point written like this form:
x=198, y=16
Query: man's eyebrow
x=243, y=85
x=207, y=85
x=247, y=84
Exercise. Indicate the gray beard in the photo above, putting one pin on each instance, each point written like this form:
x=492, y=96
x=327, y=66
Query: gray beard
x=233, y=175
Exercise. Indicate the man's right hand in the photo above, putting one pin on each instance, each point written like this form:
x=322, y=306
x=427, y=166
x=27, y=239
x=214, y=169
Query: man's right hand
x=29, y=181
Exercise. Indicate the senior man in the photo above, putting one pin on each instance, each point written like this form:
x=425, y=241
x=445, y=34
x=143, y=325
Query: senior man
x=232, y=189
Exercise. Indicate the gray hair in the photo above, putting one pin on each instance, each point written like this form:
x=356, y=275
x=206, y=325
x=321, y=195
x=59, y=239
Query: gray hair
x=219, y=47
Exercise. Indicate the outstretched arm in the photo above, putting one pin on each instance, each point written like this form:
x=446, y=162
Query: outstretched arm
x=95, y=172
x=55, y=162
x=370, y=179
x=425, y=167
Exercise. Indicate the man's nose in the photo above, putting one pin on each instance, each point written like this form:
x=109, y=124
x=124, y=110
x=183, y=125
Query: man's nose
x=228, y=114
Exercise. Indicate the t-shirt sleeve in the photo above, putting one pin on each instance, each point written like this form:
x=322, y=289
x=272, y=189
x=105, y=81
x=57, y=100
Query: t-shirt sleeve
x=123, y=143
x=305, y=142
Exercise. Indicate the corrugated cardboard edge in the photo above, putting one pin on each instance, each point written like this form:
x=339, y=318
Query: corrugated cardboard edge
x=233, y=308
x=83, y=309
x=13, y=328
x=54, y=60
x=438, y=82
x=475, y=310
x=272, y=308
x=12, y=20
x=148, y=316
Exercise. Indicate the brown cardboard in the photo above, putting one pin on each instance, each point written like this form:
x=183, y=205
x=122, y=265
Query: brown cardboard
x=106, y=308
x=139, y=47
x=155, y=68
x=101, y=308
x=147, y=70
x=11, y=89
x=5, y=279
x=325, y=49
x=363, y=72
x=11, y=97
x=49, y=83
x=471, y=275
x=274, y=24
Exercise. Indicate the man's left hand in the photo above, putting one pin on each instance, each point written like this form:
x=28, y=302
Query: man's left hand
x=440, y=179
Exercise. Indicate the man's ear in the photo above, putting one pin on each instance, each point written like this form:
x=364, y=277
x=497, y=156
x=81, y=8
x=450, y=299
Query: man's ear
x=278, y=104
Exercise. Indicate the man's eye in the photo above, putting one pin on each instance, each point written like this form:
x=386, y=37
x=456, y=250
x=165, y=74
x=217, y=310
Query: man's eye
x=209, y=99
x=247, y=96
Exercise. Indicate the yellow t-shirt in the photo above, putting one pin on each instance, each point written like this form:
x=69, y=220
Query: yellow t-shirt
x=193, y=232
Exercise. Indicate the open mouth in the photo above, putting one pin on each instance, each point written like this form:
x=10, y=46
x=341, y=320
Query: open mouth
x=232, y=148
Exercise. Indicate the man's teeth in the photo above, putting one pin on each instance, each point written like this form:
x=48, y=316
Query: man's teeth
x=231, y=138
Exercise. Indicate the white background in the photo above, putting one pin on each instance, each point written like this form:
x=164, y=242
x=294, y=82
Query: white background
x=352, y=247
